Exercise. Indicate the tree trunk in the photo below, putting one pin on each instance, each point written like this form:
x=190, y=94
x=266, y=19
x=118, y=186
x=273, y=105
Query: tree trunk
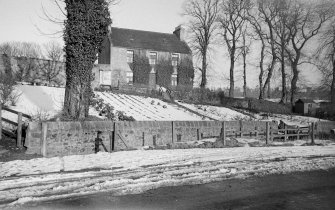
x=294, y=82
x=283, y=82
x=332, y=90
x=269, y=89
x=231, y=78
x=76, y=101
x=204, y=71
x=260, y=77
x=244, y=74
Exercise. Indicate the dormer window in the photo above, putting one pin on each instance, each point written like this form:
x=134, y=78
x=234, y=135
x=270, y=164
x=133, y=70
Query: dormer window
x=175, y=59
x=130, y=56
x=152, y=58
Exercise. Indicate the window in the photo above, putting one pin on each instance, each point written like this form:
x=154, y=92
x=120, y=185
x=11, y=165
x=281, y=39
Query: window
x=130, y=56
x=175, y=59
x=152, y=58
x=129, y=77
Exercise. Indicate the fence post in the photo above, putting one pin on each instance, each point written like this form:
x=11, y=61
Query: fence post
x=172, y=125
x=44, y=139
x=313, y=126
x=285, y=134
x=267, y=132
x=223, y=133
x=143, y=143
x=298, y=133
x=19, y=131
x=198, y=134
x=154, y=140
x=256, y=128
x=0, y=122
x=241, y=128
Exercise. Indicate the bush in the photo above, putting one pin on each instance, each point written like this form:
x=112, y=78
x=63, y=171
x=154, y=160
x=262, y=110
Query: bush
x=107, y=110
x=198, y=95
x=7, y=93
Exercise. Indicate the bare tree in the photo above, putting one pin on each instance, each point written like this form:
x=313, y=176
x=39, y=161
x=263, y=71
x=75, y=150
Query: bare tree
x=326, y=55
x=282, y=40
x=25, y=54
x=21, y=49
x=231, y=20
x=54, y=51
x=304, y=22
x=203, y=15
x=259, y=34
x=245, y=50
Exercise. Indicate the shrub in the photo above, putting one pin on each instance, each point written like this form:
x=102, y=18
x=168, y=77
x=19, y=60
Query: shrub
x=7, y=93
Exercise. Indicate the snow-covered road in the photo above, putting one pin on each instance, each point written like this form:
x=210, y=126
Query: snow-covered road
x=131, y=172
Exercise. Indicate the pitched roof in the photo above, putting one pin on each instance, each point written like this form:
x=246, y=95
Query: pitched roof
x=136, y=39
x=305, y=100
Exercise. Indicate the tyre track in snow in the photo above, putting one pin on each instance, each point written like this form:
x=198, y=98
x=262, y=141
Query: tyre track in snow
x=126, y=181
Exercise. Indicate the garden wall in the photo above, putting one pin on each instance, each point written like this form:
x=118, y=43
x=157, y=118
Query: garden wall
x=73, y=138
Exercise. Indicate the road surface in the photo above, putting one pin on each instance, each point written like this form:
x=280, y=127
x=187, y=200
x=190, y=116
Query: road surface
x=303, y=190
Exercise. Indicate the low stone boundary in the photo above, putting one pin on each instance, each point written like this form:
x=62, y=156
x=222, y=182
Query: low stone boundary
x=72, y=138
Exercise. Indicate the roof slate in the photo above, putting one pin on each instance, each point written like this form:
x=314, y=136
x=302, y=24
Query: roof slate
x=136, y=39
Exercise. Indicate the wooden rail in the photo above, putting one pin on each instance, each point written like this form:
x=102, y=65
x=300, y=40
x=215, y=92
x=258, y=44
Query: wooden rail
x=18, y=124
x=269, y=133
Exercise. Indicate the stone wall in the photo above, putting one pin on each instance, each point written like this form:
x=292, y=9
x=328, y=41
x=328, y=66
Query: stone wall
x=71, y=138
x=66, y=138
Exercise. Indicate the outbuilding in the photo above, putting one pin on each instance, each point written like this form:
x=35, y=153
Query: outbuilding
x=305, y=106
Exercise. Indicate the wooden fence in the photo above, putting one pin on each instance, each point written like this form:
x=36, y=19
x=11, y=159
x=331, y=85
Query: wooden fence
x=18, y=124
x=270, y=133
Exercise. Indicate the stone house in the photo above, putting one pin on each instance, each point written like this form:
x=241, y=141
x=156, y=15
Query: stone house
x=134, y=57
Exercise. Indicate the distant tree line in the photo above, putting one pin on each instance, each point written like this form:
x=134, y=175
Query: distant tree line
x=33, y=62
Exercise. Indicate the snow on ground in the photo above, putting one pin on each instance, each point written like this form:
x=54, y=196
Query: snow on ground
x=146, y=108
x=45, y=102
x=136, y=171
x=217, y=113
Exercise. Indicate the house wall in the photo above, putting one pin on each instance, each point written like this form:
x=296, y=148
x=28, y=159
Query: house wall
x=299, y=108
x=120, y=67
x=97, y=70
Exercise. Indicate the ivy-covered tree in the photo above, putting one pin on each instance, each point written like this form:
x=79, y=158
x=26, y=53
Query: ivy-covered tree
x=86, y=27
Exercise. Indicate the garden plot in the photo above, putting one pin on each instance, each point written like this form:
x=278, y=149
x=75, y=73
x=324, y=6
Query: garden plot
x=217, y=113
x=146, y=108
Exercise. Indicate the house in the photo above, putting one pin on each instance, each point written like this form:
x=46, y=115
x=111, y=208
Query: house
x=306, y=106
x=135, y=57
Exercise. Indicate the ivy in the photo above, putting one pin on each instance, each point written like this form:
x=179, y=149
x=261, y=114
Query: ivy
x=141, y=69
x=86, y=27
x=164, y=70
x=185, y=72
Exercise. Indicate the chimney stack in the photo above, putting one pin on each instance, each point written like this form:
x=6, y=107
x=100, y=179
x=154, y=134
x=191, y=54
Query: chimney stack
x=180, y=33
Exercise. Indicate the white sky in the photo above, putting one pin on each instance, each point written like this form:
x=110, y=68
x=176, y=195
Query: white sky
x=23, y=20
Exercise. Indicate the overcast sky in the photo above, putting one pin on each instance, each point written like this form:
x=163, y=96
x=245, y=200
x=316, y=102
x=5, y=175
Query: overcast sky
x=23, y=20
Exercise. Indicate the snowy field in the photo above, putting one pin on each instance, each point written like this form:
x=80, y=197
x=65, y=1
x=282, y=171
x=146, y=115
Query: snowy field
x=132, y=172
x=146, y=108
x=43, y=102
x=217, y=113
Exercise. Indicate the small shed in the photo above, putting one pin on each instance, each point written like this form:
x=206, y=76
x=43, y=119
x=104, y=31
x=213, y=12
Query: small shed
x=306, y=106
